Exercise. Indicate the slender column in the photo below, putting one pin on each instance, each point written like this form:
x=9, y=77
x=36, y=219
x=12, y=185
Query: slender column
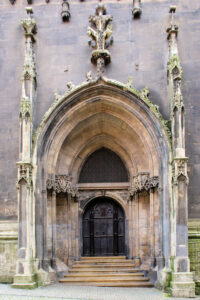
x=53, y=216
x=152, y=231
x=70, y=258
x=182, y=280
x=25, y=274
x=49, y=226
x=131, y=233
x=137, y=238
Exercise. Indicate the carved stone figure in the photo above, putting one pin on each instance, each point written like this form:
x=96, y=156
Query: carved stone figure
x=100, y=37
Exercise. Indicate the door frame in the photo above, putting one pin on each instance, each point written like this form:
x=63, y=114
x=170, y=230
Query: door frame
x=111, y=199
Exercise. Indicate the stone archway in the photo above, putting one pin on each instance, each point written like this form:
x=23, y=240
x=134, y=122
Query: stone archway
x=97, y=115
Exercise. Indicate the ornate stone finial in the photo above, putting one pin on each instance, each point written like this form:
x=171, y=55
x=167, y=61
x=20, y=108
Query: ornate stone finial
x=29, y=24
x=65, y=13
x=100, y=38
x=89, y=76
x=136, y=9
x=173, y=28
x=70, y=86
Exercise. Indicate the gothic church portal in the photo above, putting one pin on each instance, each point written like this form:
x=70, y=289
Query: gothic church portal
x=103, y=173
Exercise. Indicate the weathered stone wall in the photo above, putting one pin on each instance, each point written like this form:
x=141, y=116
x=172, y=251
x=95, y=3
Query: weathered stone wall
x=194, y=250
x=8, y=250
x=139, y=50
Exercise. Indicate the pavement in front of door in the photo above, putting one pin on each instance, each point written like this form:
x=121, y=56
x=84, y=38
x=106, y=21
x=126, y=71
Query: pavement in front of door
x=63, y=292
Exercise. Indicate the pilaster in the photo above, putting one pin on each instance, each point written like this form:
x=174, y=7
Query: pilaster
x=182, y=284
x=25, y=274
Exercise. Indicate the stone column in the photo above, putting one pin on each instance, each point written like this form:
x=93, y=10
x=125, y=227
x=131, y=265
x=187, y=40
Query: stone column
x=25, y=273
x=53, y=216
x=152, y=231
x=182, y=284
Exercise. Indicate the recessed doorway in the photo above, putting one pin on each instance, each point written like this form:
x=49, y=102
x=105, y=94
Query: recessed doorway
x=103, y=228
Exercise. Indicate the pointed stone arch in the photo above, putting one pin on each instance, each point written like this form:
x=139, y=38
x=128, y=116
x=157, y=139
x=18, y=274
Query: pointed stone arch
x=102, y=113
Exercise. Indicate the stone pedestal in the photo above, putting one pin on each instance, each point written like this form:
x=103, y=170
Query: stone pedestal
x=22, y=281
x=182, y=285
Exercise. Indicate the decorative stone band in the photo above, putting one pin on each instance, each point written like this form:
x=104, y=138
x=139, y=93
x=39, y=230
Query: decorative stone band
x=143, y=182
x=62, y=184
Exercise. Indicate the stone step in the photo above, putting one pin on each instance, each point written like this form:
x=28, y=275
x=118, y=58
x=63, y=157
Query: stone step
x=112, y=261
x=102, y=279
x=102, y=257
x=95, y=265
x=111, y=284
x=117, y=274
x=108, y=270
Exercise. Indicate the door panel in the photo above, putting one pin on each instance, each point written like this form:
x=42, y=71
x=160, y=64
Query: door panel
x=103, y=228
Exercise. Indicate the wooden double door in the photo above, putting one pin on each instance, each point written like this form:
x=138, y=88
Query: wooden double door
x=103, y=228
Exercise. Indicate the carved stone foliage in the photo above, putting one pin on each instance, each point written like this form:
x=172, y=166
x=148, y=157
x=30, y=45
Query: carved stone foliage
x=62, y=184
x=100, y=37
x=143, y=182
x=136, y=9
x=65, y=13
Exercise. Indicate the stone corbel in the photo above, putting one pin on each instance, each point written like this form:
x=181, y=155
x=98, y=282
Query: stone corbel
x=143, y=182
x=136, y=9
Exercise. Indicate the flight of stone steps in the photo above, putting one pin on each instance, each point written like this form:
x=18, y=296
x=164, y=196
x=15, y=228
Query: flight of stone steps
x=106, y=271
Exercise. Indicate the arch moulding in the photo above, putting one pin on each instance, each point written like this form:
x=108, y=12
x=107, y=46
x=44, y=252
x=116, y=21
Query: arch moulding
x=102, y=113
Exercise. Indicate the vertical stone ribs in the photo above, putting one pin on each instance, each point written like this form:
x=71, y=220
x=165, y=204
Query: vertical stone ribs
x=25, y=276
x=182, y=284
x=100, y=38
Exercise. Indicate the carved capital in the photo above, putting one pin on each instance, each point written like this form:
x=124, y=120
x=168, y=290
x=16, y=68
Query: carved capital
x=143, y=182
x=62, y=184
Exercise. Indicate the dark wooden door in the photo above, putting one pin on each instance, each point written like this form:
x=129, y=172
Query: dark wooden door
x=103, y=228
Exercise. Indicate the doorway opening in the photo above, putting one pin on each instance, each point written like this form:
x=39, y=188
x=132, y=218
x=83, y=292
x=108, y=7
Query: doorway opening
x=103, y=228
